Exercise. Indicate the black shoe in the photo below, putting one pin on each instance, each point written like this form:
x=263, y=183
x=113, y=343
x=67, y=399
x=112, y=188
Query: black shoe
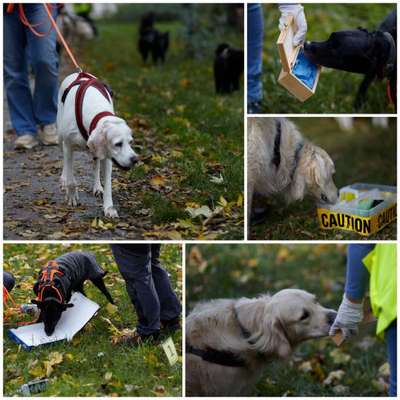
x=258, y=215
x=171, y=325
x=254, y=107
x=138, y=340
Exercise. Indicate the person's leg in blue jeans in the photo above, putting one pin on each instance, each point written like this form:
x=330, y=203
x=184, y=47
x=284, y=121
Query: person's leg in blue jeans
x=170, y=307
x=255, y=37
x=27, y=111
x=148, y=286
x=391, y=342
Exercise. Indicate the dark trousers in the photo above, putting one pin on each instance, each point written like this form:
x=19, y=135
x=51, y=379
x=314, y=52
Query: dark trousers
x=148, y=285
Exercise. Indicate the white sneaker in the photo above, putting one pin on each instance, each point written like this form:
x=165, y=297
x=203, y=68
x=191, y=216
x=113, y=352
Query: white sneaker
x=26, y=141
x=48, y=135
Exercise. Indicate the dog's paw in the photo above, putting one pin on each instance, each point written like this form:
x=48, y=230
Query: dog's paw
x=98, y=190
x=63, y=183
x=72, y=196
x=111, y=212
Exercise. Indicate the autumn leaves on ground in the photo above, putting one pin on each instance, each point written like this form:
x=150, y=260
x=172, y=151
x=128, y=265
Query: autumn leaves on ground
x=94, y=363
x=317, y=367
x=189, y=182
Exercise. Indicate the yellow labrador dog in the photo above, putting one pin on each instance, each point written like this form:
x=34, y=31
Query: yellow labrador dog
x=282, y=162
x=229, y=342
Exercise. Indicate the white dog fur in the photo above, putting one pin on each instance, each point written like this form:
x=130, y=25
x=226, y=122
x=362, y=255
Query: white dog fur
x=276, y=324
x=111, y=140
x=312, y=174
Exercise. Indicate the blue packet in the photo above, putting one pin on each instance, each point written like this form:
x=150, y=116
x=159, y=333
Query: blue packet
x=305, y=70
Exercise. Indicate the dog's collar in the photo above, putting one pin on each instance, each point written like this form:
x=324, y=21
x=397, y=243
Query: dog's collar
x=297, y=152
x=224, y=358
x=276, y=158
x=390, y=64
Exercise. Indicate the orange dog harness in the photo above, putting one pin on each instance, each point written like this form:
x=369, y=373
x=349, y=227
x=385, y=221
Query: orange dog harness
x=47, y=275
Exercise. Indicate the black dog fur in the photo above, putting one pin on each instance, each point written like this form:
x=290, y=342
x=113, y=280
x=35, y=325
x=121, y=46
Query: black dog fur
x=360, y=51
x=152, y=41
x=228, y=68
x=76, y=268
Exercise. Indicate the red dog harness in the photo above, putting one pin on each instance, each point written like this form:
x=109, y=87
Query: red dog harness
x=84, y=81
x=47, y=276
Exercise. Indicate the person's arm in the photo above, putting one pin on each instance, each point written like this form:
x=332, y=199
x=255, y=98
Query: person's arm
x=356, y=274
x=297, y=11
x=350, y=312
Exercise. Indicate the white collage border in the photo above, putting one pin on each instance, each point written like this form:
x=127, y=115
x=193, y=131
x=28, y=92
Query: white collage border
x=184, y=242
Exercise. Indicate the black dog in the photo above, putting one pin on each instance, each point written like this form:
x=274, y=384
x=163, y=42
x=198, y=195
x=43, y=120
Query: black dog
x=152, y=41
x=370, y=53
x=228, y=68
x=59, y=278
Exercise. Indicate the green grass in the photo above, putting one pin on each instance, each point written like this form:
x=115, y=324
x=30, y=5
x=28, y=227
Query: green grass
x=184, y=132
x=233, y=271
x=367, y=154
x=336, y=90
x=141, y=371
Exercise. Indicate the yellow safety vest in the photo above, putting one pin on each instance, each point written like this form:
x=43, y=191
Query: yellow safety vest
x=381, y=264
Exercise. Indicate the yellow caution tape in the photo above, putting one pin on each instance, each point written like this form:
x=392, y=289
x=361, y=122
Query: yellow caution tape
x=364, y=226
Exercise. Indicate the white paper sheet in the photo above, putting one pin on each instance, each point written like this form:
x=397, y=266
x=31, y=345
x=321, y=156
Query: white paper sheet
x=71, y=322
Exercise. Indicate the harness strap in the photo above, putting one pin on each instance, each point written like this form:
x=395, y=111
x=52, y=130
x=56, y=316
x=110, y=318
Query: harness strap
x=84, y=81
x=97, y=118
x=47, y=275
x=224, y=358
x=276, y=159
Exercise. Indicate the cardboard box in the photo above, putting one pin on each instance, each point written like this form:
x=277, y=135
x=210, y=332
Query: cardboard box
x=345, y=216
x=294, y=64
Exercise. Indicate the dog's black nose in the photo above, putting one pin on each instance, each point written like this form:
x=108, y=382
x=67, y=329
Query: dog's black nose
x=134, y=160
x=308, y=46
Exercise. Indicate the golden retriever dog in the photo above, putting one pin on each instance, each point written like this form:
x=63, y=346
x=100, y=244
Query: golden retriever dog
x=282, y=162
x=229, y=343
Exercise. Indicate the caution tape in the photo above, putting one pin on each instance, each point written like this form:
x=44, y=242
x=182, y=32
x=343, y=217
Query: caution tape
x=364, y=226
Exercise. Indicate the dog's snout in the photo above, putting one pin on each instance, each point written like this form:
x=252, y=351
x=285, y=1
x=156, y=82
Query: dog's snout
x=134, y=160
x=308, y=46
x=331, y=316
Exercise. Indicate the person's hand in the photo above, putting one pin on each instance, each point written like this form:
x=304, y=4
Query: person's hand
x=348, y=317
x=300, y=19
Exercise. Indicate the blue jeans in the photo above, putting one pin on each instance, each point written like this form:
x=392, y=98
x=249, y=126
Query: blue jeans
x=255, y=37
x=147, y=284
x=22, y=49
x=391, y=342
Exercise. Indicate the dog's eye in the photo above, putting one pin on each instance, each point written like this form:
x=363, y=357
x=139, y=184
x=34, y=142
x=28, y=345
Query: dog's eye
x=324, y=198
x=118, y=144
x=305, y=315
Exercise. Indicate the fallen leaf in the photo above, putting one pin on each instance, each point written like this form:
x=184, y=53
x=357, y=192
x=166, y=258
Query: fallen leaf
x=334, y=377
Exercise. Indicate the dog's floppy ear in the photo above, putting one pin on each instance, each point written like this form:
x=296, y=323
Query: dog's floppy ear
x=318, y=169
x=298, y=188
x=97, y=142
x=279, y=340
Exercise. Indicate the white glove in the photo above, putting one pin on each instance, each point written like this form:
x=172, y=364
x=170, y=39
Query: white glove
x=300, y=19
x=348, y=317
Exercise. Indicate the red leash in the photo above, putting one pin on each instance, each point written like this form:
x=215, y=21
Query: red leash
x=31, y=27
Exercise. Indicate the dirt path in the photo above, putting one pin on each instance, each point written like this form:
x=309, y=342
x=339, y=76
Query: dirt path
x=34, y=206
